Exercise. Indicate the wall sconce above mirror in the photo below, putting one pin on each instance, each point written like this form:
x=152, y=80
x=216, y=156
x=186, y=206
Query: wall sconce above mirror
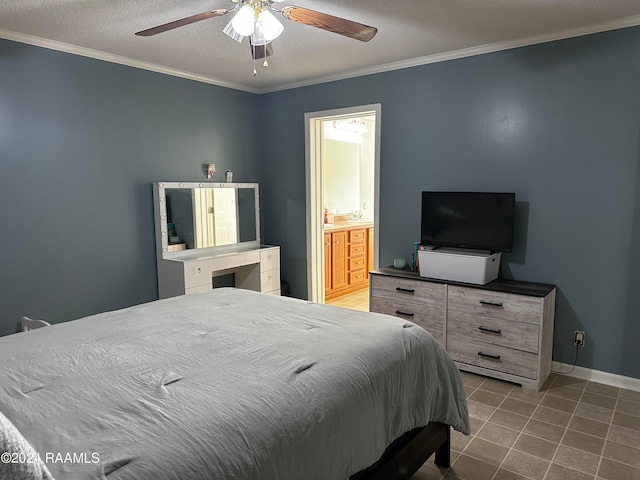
x=205, y=216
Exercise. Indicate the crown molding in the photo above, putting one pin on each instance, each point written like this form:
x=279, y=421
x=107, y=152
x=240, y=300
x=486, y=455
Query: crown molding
x=465, y=52
x=108, y=57
x=414, y=62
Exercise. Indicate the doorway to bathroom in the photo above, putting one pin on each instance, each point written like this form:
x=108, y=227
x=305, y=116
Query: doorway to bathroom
x=342, y=170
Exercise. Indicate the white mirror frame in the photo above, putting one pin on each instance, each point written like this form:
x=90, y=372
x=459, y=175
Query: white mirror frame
x=160, y=216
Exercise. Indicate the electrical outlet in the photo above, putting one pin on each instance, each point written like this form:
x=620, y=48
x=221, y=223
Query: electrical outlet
x=578, y=339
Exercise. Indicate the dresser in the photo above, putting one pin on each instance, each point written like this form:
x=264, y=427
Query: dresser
x=502, y=330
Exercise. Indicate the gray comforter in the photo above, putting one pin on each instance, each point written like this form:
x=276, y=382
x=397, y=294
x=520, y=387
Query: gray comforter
x=229, y=384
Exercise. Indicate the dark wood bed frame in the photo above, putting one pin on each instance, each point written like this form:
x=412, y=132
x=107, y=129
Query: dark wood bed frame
x=406, y=455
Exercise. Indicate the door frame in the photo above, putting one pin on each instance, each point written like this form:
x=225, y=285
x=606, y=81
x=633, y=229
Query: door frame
x=313, y=171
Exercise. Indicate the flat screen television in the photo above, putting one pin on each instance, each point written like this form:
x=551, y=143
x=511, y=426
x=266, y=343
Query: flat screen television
x=472, y=220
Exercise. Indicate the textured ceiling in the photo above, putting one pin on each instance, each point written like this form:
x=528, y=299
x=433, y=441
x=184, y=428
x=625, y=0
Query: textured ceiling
x=410, y=32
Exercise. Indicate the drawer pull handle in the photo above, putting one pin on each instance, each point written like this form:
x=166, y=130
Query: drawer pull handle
x=405, y=290
x=489, y=355
x=406, y=314
x=490, y=304
x=489, y=330
x=198, y=269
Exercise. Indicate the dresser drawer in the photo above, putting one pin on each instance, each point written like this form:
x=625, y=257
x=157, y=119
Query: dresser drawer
x=357, y=235
x=494, y=357
x=507, y=306
x=402, y=289
x=494, y=331
x=429, y=317
x=356, y=249
x=197, y=273
x=357, y=263
x=269, y=259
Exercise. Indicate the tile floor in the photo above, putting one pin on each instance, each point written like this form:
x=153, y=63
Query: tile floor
x=572, y=429
x=355, y=301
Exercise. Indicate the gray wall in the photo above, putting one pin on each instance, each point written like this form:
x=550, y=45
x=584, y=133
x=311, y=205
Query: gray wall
x=557, y=123
x=81, y=141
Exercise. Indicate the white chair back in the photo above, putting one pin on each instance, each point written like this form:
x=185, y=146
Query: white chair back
x=29, y=324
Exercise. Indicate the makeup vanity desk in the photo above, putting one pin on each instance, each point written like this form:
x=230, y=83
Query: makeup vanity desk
x=254, y=268
x=218, y=224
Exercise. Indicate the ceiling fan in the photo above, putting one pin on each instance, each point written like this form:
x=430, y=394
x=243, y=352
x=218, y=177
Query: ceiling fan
x=253, y=19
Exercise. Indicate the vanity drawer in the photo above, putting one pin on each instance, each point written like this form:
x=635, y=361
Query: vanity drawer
x=494, y=331
x=357, y=235
x=197, y=273
x=357, y=277
x=507, y=306
x=494, y=357
x=402, y=289
x=356, y=249
x=270, y=280
x=429, y=317
x=234, y=260
x=269, y=259
x=357, y=263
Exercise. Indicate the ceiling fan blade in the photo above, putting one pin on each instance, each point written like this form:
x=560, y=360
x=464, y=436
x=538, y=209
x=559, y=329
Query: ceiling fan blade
x=258, y=52
x=183, y=21
x=330, y=23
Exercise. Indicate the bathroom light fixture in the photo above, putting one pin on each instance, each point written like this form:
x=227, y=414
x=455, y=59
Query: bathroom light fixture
x=351, y=125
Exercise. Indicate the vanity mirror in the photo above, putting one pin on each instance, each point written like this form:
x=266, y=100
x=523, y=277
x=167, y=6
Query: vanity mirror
x=207, y=217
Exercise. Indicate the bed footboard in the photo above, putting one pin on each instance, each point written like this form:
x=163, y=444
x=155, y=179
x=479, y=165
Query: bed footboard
x=407, y=454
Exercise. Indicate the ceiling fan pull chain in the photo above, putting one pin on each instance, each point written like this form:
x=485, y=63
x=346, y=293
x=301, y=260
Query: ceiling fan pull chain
x=255, y=73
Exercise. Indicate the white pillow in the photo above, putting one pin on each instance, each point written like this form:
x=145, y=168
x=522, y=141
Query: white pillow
x=14, y=447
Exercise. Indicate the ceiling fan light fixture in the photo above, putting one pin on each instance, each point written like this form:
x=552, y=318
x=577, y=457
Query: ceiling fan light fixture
x=253, y=19
x=228, y=30
x=243, y=21
x=267, y=28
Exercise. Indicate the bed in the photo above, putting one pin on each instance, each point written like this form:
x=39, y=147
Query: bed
x=228, y=384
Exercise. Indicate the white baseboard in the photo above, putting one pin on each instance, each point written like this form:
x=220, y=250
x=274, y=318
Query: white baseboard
x=606, y=378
